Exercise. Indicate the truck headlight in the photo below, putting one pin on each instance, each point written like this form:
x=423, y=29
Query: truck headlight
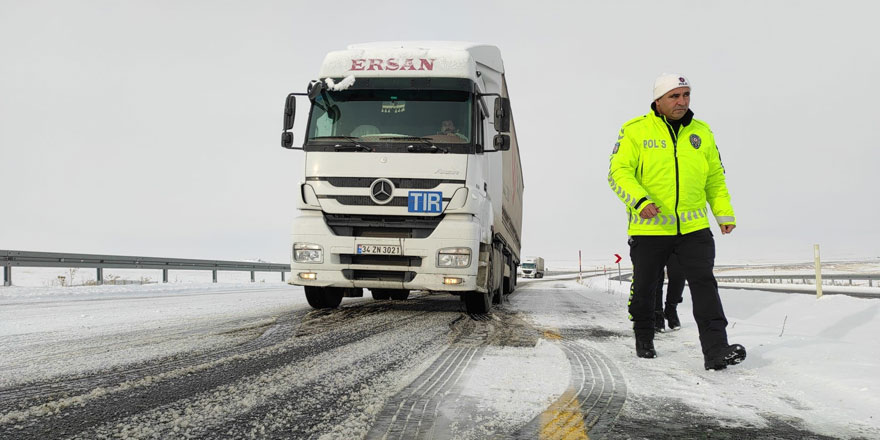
x=308, y=253
x=454, y=257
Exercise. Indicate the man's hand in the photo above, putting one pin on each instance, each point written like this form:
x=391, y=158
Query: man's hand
x=727, y=229
x=649, y=211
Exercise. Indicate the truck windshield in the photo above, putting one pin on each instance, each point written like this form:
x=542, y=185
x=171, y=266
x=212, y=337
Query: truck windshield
x=528, y=265
x=391, y=118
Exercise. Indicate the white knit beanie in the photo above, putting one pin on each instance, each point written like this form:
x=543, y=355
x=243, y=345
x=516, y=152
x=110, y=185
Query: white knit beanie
x=668, y=81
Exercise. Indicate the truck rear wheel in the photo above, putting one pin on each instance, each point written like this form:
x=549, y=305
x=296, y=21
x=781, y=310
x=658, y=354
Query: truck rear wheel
x=324, y=297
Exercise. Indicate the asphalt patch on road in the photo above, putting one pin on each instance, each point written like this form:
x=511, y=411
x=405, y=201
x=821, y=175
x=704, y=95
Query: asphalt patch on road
x=681, y=421
x=589, y=333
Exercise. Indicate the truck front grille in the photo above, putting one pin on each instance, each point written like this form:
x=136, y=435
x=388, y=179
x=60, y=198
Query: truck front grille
x=380, y=260
x=365, y=182
x=366, y=201
x=388, y=226
x=378, y=275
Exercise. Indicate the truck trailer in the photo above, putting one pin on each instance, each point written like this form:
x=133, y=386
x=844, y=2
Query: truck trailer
x=413, y=179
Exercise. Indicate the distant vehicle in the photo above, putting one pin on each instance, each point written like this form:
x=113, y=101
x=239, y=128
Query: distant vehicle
x=412, y=179
x=533, y=267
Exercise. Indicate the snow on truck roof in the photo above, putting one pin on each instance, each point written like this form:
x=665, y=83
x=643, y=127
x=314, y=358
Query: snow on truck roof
x=450, y=59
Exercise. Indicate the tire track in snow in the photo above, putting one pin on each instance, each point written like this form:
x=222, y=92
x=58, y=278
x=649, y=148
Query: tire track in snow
x=157, y=385
x=35, y=394
x=412, y=412
x=592, y=403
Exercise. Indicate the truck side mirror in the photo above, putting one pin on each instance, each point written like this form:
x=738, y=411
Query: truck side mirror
x=289, y=114
x=501, y=142
x=314, y=90
x=502, y=114
x=287, y=140
x=289, y=111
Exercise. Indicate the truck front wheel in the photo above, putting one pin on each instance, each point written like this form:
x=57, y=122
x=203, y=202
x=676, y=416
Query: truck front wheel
x=399, y=294
x=324, y=297
x=476, y=303
x=381, y=294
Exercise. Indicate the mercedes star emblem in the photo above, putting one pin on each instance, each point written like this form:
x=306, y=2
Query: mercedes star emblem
x=381, y=191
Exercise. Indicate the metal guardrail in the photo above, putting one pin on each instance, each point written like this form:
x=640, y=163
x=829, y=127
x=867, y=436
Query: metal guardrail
x=804, y=279
x=10, y=259
x=827, y=279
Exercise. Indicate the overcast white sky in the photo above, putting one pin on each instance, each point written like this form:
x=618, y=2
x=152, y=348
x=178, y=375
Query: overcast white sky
x=152, y=127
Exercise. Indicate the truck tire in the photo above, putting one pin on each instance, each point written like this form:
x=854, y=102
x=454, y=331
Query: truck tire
x=380, y=294
x=399, y=294
x=324, y=297
x=510, y=282
x=494, y=293
x=476, y=303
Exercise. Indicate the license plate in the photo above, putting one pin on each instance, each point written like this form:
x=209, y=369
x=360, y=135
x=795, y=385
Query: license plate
x=370, y=249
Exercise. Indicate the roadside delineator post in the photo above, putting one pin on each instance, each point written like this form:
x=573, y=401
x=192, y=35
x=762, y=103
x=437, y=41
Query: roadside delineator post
x=7, y=275
x=580, y=267
x=818, y=271
x=619, y=273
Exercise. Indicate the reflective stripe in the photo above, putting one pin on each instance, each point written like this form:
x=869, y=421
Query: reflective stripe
x=725, y=219
x=624, y=196
x=697, y=214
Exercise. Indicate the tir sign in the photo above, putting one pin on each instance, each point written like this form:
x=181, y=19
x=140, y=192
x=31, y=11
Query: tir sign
x=425, y=201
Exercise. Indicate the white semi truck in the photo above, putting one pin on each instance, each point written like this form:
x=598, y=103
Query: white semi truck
x=413, y=178
x=533, y=267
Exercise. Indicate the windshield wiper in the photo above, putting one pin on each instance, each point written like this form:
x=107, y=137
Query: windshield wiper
x=427, y=147
x=354, y=145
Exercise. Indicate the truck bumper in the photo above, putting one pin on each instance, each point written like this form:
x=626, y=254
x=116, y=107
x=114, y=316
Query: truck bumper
x=335, y=271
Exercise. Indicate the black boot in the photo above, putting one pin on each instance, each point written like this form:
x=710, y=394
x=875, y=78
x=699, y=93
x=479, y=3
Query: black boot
x=645, y=348
x=672, y=317
x=659, y=322
x=719, y=359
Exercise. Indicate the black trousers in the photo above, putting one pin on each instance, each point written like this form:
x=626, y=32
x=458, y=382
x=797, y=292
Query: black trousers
x=676, y=285
x=696, y=255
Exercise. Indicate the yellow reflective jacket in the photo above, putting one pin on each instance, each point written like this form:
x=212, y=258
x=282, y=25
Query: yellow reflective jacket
x=678, y=172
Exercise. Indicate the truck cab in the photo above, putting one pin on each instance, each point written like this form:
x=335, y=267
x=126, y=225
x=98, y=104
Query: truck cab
x=412, y=175
x=533, y=267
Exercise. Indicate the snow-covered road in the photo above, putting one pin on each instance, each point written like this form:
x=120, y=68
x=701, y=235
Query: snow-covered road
x=556, y=360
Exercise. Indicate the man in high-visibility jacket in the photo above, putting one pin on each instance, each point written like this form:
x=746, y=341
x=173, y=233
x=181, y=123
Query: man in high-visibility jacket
x=665, y=167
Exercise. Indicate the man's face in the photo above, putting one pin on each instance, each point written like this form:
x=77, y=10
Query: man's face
x=675, y=103
x=447, y=127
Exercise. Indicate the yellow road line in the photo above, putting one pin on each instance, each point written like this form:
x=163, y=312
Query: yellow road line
x=563, y=419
